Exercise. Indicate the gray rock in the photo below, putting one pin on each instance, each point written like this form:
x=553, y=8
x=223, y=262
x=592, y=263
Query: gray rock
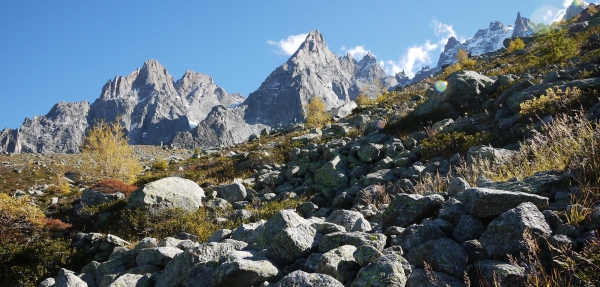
x=219, y=235
x=456, y=186
x=126, y=280
x=327, y=227
x=444, y=255
x=240, y=215
x=92, y=197
x=337, y=239
x=467, y=90
x=293, y=243
x=231, y=192
x=169, y=242
x=499, y=273
x=406, y=209
x=48, y=282
x=251, y=233
x=343, y=110
x=379, y=177
x=281, y=220
x=339, y=263
x=178, y=269
x=303, y=279
x=67, y=278
x=468, y=227
x=244, y=268
x=385, y=271
x=218, y=204
x=507, y=233
x=484, y=202
x=416, y=234
x=350, y=220
x=158, y=256
x=495, y=155
x=422, y=278
x=451, y=211
x=170, y=192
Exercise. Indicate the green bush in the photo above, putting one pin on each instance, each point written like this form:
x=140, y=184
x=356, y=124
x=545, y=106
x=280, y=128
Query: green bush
x=160, y=165
x=28, y=264
x=447, y=144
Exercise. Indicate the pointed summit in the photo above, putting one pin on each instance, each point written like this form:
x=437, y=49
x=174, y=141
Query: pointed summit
x=575, y=8
x=523, y=27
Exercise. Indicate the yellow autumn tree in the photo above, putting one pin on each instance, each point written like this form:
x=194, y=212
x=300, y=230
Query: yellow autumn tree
x=516, y=44
x=108, y=153
x=315, y=113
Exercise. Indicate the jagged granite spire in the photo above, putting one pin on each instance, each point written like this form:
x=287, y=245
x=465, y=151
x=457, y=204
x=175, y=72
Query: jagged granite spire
x=313, y=70
x=523, y=27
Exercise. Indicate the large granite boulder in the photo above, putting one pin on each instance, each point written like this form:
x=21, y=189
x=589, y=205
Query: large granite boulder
x=444, y=255
x=513, y=229
x=406, y=209
x=385, y=271
x=244, y=269
x=293, y=243
x=304, y=279
x=485, y=202
x=350, y=220
x=332, y=173
x=170, y=192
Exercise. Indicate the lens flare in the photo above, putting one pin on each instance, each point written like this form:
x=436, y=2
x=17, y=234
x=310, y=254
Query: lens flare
x=576, y=3
x=441, y=86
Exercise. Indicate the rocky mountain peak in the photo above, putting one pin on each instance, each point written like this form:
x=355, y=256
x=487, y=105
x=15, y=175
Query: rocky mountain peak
x=523, y=27
x=575, y=8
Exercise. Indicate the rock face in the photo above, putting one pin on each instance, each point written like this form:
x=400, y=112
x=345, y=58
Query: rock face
x=523, y=27
x=312, y=71
x=484, y=41
x=152, y=106
x=59, y=131
x=575, y=8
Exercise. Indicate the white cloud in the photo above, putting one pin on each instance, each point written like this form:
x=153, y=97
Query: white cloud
x=357, y=52
x=420, y=55
x=289, y=45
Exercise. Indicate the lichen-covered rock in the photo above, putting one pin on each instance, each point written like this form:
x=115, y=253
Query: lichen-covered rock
x=366, y=254
x=385, y=271
x=422, y=278
x=231, y=192
x=170, y=192
x=332, y=173
x=350, y=220
x=244, y=269
x=339, y=263
x=456, y=186
x=337, y=239
x=381, y=176
x=444, y=255
x=369, y=153
x=407, y=209
x=416, y=235
x=158, y=256
x=49, y=282
x=293, y=243
x=281, y=220
x=485, y=202
x=91, y=197
x=219, y=235
x=452, y=211
x=483, y=152
x=250, y=233
x=507, y=233
x=468, y=227
x=304, y=279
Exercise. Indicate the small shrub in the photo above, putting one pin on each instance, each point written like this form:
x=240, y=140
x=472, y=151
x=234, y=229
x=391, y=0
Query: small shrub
x=448, y=143
x=18, y=218
x=315, y=113
x=462, y=57
x=552, y=102
x=160, y=165
x=110, y=186
x=363, y=101
x=516, y=44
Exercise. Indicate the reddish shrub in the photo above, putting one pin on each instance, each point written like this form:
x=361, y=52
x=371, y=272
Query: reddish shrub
x=110, y=186
x=55, y=225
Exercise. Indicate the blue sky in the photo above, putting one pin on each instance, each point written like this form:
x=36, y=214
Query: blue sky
x=52, y=51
